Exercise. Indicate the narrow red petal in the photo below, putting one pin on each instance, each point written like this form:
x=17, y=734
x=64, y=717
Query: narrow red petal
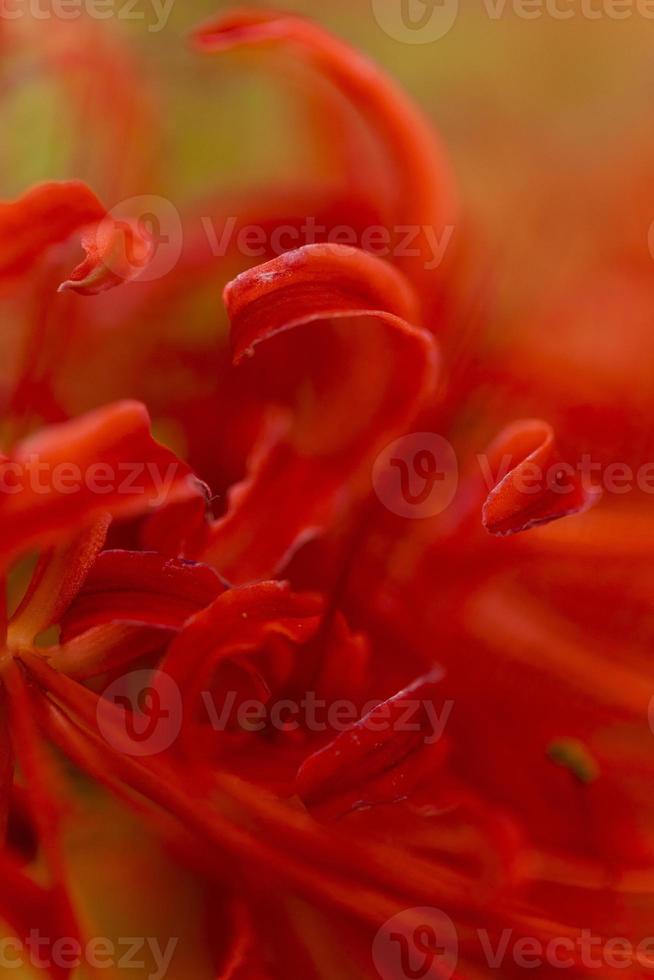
x=253, y=825
x=381, y=758
x=422, y=194
x=56, y=581
x=52, y=905
x=104, y=648
x=6, y=764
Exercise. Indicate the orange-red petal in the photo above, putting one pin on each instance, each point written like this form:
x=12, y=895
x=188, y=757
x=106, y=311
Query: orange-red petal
x=70, y=474
x=334, y=325
x=44, y=216
x=537, y=485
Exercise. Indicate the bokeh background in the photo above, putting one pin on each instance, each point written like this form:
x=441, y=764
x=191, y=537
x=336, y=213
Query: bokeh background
x=537, y=114
x=546, y=120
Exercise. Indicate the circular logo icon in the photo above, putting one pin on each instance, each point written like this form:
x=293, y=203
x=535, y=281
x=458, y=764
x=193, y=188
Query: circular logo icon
x=159, y=237
x=416, y=476
x=416, y=21
x=140, y=714
x=416, y=944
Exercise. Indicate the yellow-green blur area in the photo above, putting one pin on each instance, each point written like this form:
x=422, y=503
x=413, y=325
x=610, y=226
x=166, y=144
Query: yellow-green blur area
x=545, y=109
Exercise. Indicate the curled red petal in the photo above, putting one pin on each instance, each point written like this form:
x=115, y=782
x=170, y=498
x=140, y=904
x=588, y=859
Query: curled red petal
x=116, y=252
x=317, y=281
x=334, y=324
x=422, y=194
x=48, y=214
x=44, y=216
x=382, y=758
x=537, y=485
x=71, y=474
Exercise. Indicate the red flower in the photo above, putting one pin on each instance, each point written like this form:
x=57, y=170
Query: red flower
x=340, y=713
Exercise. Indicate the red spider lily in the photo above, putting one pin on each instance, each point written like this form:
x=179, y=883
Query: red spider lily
x=288, y=576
